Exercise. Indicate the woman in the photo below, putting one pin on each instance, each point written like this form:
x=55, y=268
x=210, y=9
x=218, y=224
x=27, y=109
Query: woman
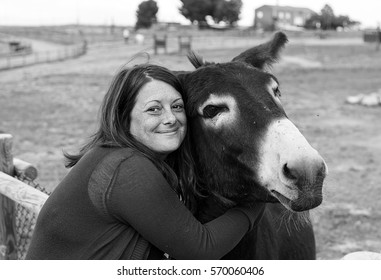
x=121, y=199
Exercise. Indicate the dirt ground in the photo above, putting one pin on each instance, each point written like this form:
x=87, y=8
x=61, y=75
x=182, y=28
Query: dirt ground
x=53, y=107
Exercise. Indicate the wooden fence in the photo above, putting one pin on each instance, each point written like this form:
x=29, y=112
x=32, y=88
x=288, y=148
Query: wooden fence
x=372, y=35
x=31, y=58
x=14, y=193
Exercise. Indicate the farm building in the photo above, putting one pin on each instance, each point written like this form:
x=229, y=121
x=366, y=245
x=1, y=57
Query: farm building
x=269, y=17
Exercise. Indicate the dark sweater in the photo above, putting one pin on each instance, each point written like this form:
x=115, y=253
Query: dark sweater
x=115, y=200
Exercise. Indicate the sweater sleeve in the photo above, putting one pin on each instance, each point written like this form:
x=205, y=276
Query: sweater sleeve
x=140, y=196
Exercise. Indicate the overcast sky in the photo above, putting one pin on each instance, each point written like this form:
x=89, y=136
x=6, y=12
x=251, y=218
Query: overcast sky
x=123, y=12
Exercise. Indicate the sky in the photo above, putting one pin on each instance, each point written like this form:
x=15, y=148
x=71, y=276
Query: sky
x=123, y=12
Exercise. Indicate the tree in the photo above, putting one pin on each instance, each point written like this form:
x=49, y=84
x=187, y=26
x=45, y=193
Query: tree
x=228, y=11
x=344, y=21
x=327, y=20
x=196, y=10
x=220, y=10
x=146, y=14
x=313, y=22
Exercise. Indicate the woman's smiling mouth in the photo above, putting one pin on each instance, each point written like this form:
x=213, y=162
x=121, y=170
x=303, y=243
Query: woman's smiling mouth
x=169, y=132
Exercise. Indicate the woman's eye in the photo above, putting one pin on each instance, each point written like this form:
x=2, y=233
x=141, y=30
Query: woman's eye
x=154, y=109
x=210, y=111
x=178, y=107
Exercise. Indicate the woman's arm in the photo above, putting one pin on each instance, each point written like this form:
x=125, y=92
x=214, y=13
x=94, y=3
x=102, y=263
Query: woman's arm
x=141, y=197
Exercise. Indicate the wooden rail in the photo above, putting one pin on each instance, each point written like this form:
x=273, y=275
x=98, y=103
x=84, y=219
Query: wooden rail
x=24, y=169
x=13, y=191
x=22, y=193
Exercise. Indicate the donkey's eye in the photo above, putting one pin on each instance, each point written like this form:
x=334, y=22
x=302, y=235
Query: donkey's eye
x=277, y=92
x=210, y=111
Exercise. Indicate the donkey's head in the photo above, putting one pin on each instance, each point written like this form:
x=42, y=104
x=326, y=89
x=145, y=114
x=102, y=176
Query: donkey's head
x=246, y=148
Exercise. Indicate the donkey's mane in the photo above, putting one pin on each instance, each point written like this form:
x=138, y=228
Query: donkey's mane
x=196, y=59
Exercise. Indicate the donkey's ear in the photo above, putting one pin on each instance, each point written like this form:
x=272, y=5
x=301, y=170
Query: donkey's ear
x=196, y=59
x=264, y=55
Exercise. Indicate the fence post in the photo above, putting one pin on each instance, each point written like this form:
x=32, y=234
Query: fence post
x=8, y=249
x=160, y=43
x=8, y=62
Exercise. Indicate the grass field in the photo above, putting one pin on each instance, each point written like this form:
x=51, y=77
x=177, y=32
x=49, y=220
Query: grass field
x=53, y=107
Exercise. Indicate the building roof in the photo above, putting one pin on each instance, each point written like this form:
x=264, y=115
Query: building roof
x=288, y=8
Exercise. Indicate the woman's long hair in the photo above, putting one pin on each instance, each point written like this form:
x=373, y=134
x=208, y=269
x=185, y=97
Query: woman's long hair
x=114, y=128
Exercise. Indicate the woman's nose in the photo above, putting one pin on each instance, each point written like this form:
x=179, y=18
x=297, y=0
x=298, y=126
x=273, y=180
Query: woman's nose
x=169, y=117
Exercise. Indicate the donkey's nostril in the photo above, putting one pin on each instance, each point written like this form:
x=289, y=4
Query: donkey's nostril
x=289, y=173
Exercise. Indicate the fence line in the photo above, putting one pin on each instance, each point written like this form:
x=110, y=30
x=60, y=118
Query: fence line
x=199, y=43
x=26, y=59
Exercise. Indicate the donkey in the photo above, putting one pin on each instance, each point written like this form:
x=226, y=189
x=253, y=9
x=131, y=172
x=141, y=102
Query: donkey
x=248, y=151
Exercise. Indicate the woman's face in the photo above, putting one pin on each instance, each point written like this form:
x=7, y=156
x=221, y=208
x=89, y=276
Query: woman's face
x=158, y=118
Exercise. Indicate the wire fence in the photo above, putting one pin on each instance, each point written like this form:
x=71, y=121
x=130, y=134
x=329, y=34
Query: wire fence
x=25, y=221
x=30, y=58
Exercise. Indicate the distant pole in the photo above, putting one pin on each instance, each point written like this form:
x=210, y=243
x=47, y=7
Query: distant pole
x=378, y=37
x=112, y=26
x=77, y=13
x=8, y=62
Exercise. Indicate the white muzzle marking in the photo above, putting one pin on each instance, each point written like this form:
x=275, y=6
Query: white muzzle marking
x=283, y=143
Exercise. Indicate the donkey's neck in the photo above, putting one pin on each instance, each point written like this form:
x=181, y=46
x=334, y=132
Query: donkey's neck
x=212, y=207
